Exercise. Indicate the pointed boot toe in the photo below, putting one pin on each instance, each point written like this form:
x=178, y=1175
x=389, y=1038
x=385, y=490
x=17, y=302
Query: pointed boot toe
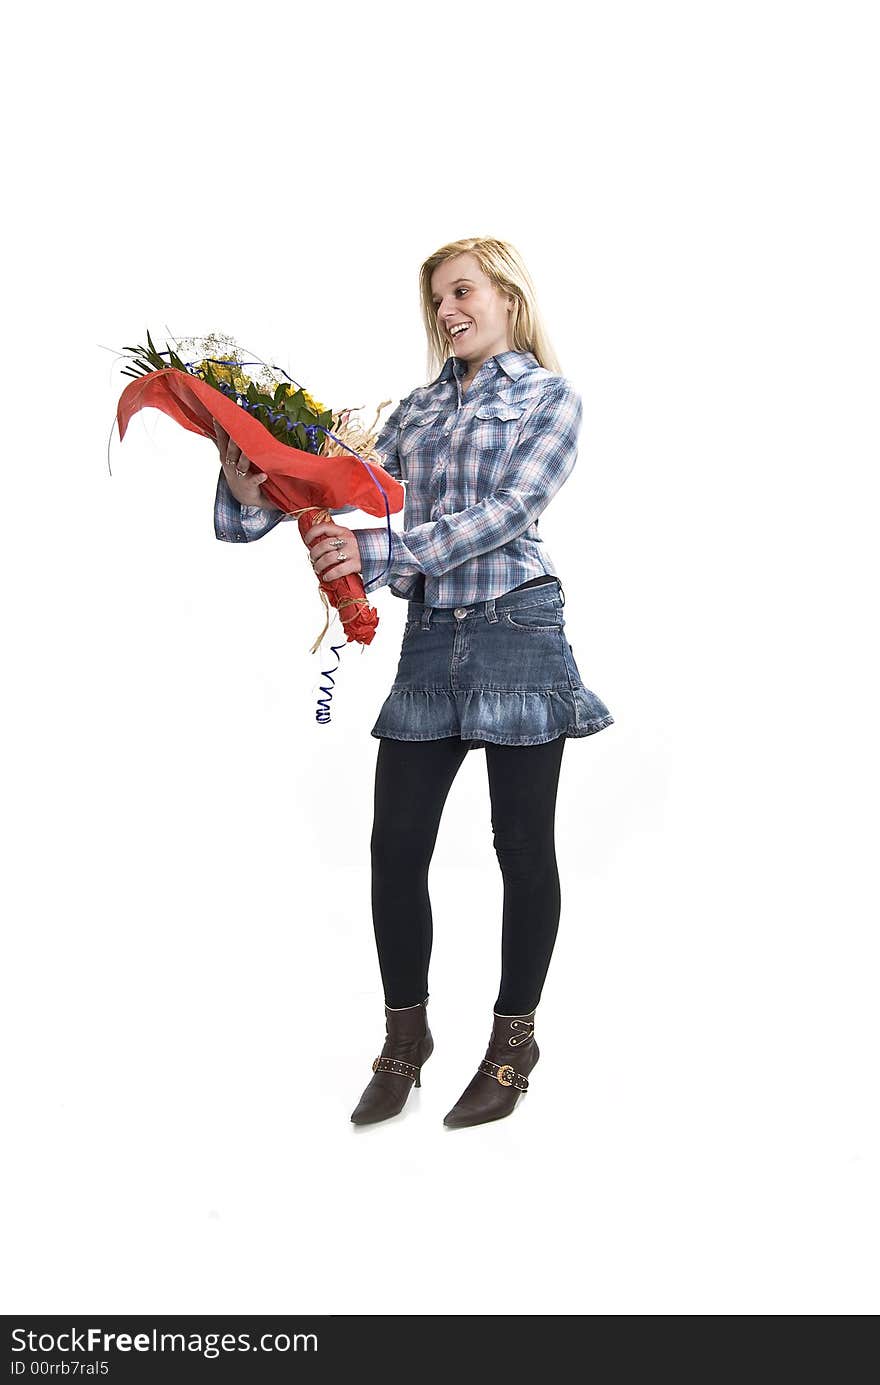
x=408, y=1044
x=383, y=1097
x=502, y=1076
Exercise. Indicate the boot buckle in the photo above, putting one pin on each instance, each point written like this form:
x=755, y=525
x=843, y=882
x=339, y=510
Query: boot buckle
x=505, y=1074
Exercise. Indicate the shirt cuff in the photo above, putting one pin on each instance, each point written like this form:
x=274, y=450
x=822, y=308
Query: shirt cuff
x=237, y=523
x=257, y=521
x=373, y=547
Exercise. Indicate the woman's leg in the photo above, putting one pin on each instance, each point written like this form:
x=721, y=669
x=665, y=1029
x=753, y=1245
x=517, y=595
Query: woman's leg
x=413, y=779
x=523, y=780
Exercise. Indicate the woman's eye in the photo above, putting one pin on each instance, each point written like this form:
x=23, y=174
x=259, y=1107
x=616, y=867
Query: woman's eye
x=462, y=289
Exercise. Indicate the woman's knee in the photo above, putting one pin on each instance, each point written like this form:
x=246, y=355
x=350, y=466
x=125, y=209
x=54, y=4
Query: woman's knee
x=522, y=855
x=401, y=846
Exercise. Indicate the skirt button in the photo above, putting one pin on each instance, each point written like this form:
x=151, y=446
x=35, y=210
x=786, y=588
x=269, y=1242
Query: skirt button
x=460, y=611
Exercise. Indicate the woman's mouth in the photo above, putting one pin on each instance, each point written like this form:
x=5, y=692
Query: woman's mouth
x=457, y=336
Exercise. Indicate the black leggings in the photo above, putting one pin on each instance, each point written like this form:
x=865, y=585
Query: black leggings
x=413, y=779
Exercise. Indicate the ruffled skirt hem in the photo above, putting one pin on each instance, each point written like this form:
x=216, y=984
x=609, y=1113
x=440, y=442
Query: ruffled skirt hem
x=496, y=718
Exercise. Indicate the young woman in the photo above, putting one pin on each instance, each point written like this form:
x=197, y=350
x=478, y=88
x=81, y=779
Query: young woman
x=484, y=660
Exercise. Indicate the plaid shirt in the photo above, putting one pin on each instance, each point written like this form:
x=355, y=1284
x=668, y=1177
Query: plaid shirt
x=479, y=467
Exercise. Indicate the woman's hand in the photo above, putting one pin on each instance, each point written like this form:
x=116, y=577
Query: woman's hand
x=246, y=489
x=336, y=552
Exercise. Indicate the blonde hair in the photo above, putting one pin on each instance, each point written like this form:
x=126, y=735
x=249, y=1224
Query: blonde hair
x=503, y=265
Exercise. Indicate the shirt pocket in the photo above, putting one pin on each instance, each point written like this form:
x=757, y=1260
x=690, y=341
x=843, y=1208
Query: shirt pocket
x=492, y=436
x=418, y=433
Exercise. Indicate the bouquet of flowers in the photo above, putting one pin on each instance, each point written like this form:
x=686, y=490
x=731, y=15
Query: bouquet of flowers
x=314, y=459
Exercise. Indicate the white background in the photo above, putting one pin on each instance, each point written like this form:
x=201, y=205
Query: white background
x=192, y=998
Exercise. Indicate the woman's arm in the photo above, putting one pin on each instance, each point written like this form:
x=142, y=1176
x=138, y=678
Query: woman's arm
x=541, y=461
x=237, y=523
x=387, y=447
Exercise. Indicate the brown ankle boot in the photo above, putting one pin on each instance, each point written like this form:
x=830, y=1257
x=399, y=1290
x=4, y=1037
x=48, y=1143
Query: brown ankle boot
x=502, y=1076
x=408, y=1044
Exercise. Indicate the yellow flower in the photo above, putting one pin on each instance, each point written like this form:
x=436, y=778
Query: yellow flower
x=310, y=401
x=231, y=374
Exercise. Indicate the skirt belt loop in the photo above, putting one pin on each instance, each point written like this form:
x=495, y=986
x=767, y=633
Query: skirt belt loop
x=491, y=614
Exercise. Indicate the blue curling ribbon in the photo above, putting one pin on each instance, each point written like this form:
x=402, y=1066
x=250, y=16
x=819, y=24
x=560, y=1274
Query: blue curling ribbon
x=322, y=715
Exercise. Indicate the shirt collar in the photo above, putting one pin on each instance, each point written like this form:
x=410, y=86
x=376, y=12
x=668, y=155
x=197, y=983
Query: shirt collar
x=513, y=363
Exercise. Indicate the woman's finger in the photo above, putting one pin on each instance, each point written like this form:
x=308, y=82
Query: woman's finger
x=330, y=558
x=331, y=570
x=222, y=439
x=327, y=527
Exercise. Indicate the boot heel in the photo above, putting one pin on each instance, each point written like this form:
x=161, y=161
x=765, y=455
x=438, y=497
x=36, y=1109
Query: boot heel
x=427, y=1050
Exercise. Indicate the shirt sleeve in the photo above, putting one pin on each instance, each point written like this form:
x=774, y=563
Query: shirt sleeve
x=542, y=460
x=237, y=523
x=373, y=543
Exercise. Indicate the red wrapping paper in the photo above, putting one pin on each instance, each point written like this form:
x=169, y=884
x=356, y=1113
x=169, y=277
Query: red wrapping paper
x=296, y=479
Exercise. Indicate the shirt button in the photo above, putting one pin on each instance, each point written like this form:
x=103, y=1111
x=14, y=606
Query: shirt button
x=460, y=611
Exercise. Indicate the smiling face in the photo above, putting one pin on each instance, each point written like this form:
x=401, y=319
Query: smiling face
x=462, y=293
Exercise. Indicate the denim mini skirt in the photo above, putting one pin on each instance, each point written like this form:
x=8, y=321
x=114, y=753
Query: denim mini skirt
x=498, y=672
